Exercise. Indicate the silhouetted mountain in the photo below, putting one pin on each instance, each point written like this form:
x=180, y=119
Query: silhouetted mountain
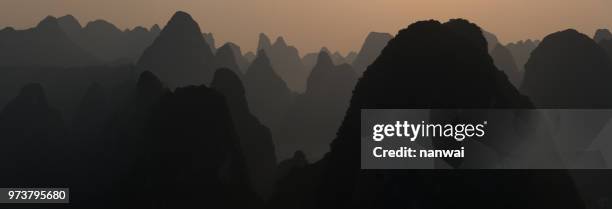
x=314, y=118
x=336, y=57
x=65, y=87
x=225, y=58
x=128, y=124
x=264, y=42
x=155, y=29
x=602, y=34
x=439, y=66
x=104, y=40
x=310, y=59
x=116, y=159
x=107, y=42
x=569, y=70
x=136, y=41
x=92, y=113
x=71, y=26
x=210, y=39
x=607, y=46
x=267, y=94
x=45, y=45
x=286, y=62
x=370, y=50
x=242, y=61
x=195, y=152
x=255, y=138
x=179, y=55
x=505, y=62
x=492, y=40
x=32, y=134
x=521, y=51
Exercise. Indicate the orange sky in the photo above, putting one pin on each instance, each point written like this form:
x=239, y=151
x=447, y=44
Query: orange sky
x=309, y=24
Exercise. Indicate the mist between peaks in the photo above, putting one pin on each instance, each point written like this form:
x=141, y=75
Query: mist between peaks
x=404, y=129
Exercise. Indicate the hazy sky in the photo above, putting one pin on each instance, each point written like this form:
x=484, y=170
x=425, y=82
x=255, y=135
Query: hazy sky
x=309, y=24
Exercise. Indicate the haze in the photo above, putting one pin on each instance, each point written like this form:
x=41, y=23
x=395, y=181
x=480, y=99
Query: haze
x=338, y=24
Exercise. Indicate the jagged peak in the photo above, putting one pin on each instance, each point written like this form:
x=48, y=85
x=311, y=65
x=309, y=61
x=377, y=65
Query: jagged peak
x=155, y=28
x=70, y=20
x=264, y=42
x=181, y=21
x=49, y=23
x=324, y=59
x=280, y=42
x=181, y=16
x=602, y=34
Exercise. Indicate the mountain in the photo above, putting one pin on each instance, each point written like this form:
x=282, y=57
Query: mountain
x=45, y=45
x=33, y=138
x=440, y=65
x=210, y=39
x=607, y=45
x=602, y=34
x=196, y=152
x=504, y=61
x=127, y=127
x=155, y=29
x=92, y=112
x=113, y=156
x=71, y=26
x=65, y=87
x=521, y=51
x=286, y=61
x=264, y=43
x=569, y=70
x=268, y=95
x=370, y=50
x=310, y=59
x=255, y=138
x=242, y=61
x=179, y=55
x=225, y=58
x=316, y=114
x=107, y=42
x=491, y=38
